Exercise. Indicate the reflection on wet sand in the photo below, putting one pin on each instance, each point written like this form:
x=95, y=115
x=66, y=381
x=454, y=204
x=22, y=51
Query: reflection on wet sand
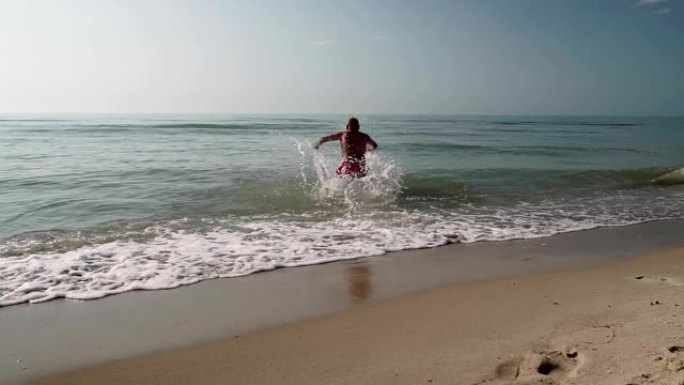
x=358, y=277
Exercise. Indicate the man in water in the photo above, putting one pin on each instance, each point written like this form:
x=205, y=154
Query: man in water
x=353, y=145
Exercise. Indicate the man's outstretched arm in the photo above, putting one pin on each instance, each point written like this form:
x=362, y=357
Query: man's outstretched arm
x=335, y=136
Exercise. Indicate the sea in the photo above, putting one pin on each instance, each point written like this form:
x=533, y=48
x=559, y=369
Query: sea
x=93, y=205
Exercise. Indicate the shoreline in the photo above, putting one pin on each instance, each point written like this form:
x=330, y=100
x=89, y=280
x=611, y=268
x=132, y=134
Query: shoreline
x=139, y=323
x=616, y=324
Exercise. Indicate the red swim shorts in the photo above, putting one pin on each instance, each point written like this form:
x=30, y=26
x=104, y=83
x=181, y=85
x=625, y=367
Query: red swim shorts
x=353, y=167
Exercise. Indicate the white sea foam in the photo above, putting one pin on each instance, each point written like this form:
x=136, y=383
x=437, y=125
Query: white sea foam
x=181, y=252
x=231, y=248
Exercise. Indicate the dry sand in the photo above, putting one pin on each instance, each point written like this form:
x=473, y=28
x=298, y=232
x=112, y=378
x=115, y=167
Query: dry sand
x=618, y=324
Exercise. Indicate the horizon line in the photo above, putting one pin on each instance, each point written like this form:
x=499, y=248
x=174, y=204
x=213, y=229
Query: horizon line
x=348, y=114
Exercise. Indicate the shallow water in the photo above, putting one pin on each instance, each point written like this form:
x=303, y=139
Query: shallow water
x=95, y=205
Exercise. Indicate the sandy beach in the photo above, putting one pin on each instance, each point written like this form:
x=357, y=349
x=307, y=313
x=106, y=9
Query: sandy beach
x=341, y=193
x=616, y=322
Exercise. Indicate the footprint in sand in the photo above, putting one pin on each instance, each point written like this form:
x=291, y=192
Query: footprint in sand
x=674, y=362
x=670, y=369
x=547, y=367
x=658, y=279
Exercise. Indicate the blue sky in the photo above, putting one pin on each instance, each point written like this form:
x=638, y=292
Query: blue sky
x=589, y=57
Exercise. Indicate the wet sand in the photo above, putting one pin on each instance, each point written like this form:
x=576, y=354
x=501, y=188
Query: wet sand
x=618, y=325
x=477, y=307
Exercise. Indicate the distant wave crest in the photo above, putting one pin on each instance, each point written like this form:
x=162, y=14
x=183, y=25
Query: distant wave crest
x=675, y=177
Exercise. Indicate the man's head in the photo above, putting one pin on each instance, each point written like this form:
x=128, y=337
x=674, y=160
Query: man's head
x=353, y=125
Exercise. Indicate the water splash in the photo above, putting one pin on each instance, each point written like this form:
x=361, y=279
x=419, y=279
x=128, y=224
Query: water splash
x=381, y=186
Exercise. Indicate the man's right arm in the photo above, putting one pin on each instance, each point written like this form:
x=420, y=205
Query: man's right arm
x=335, y=136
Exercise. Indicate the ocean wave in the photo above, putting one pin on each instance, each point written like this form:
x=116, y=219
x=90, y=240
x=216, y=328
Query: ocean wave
x=38, y=267
x=440, y=182
x=179, y=253
x=32, y=120
x=675, y=177
x=104, y=205
x=125, y=127
x=216, y=126
x=227, y=126
x=635, y=176
x=565, y=123
x=553, y=151
x=441, y=146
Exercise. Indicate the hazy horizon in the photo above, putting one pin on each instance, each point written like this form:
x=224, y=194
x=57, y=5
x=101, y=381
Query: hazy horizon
x=497, y=57
x=341, y=114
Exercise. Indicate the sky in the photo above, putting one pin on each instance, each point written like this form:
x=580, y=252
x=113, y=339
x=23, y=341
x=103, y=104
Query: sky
x=506, y=57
